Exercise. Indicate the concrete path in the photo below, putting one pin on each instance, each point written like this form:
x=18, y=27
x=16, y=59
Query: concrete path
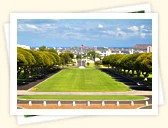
x=85, y=93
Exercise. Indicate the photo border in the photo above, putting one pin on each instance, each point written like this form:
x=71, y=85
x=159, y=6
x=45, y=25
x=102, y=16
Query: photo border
x=146, y=8
x=13, y=63
x=130, y=8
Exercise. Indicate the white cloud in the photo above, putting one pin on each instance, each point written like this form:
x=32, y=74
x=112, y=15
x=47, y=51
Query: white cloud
x=142, y=35
x=109, y=32
x=47, y=25
x=133, y=28
x=117, y=33
x=31, y=26
x=118, y=29
x=75, y=35
x=100, y=26
x=121, y=34
x=28, y=27
x=20, y=27
x=142, y=26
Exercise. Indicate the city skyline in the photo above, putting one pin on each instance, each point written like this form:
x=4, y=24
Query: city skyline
x=87, y=32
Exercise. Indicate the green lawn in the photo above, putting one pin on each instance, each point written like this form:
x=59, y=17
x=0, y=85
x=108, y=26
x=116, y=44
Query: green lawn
x=91, y=65
x=81, y=97
x=80, y=80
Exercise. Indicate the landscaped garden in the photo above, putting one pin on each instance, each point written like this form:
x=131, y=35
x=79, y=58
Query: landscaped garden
x=38, y=64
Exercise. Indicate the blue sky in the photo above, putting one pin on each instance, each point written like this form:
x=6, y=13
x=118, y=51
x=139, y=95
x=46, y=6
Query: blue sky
x=89, y=32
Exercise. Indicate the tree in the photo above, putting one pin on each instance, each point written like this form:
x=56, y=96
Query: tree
x=113, y=60
x=78, y=56
x=31, y=62
x=145, y=63
x=98, y=63
x=52, y=50
x=131, y=62
x=25, y=62
x=139, y=62
x=106, y=61
x=92, y=54
x=66, y=57
x=43, y=48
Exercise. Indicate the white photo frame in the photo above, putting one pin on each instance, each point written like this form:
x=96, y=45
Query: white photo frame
x=34, y=119
x=13, y=42
x=131, y=8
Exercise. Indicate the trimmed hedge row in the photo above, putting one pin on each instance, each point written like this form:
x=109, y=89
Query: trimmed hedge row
x=138, y=63
x=36, y=64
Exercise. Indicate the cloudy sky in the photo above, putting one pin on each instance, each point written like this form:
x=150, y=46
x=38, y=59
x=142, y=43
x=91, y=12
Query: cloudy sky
x=89, y=32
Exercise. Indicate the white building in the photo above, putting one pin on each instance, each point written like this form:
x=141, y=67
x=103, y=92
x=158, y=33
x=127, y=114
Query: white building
x=149, y=49
x=120, y=52
x=131, y=51
x=23, y=46
x=108, y=52
x=37, y=48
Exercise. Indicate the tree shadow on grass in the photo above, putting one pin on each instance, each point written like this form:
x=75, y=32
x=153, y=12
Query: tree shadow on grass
x=135, y=85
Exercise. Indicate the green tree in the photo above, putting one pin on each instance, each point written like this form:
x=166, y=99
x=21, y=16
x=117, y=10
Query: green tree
x=43, y=48
x=139, y=62
x=52, y=50
x=78, y=56
x=98, y=63
x=130, y=62
x=106, y=61
x=93, y=55
x=145, y=63
x=25, y=62
x=66, y=57
x=32, y=63
x=113, y=60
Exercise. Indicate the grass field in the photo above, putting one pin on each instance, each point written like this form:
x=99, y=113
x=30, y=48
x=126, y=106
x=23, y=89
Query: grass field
x=91, y=65
x=81, y=97
x=80, y=80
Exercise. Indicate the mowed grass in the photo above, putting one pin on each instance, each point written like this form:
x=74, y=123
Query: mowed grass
x=80, y=80
x=81, y=97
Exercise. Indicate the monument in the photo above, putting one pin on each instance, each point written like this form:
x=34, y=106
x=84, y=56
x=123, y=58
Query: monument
x=82, y=66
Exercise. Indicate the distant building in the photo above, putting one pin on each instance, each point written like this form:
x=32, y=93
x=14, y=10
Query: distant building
x=23, y=46
x=105, y=53
x=108, y=52
x=149, y=49
x=141, y=46
x=37, y=48
x=131, y=51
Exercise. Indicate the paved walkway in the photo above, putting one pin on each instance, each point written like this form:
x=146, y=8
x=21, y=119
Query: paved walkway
x=20, y=92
